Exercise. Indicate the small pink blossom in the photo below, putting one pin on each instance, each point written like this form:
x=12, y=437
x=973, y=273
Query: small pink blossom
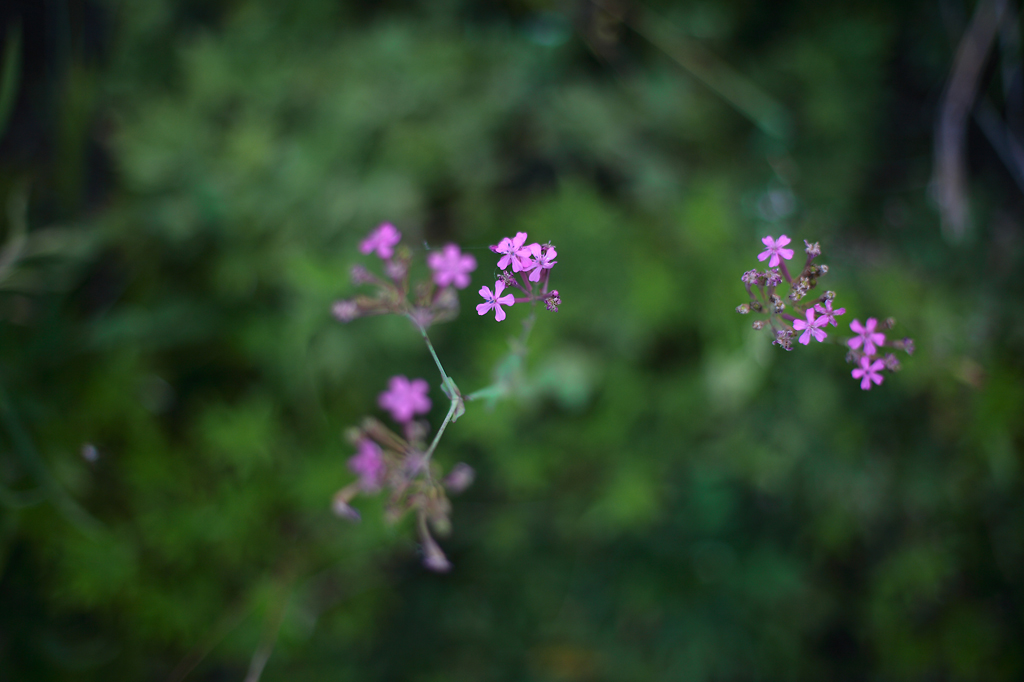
x=867, y=336
x=535, y=261
x=382, y=240
x=368, y=463
x=509, y=250
x=811, y=327
x=495, y=301
x=451, y=266
x=775, y=250
x=827, y=313
x=405, y=398
x=868, y=372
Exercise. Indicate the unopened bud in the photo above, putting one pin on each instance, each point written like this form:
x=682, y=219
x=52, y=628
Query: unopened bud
x=345, y=311
x=341, y=508
x=891, y=363
x=906, y=344
x=459, y=478
x=396, y=268
x=812, y=250
x=889, y=323
x=360, y=275
x=433, y=557
x=759, y=324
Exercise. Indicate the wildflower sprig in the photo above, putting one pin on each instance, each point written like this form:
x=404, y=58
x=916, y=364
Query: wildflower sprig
x=403, y=465
x=789, y=313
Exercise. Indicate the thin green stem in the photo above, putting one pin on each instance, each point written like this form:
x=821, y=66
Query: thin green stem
x=433, y=445
x=430, y=347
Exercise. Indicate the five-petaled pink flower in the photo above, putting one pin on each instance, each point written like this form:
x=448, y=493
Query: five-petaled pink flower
x=509, y=250
x=405, y=398
x=827, y=313
x=811, y=326
x=382, y=240
x=868, y=372
x=495, y=300
x=867, y=336
x=536, y=261
x=451, y=266
x=368, y=462
x=775, y=250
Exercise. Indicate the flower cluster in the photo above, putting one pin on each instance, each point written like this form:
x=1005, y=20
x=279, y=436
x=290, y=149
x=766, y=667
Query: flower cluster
x=433, y=300
x=811, y=316
x=532, y=263
x=402, y=465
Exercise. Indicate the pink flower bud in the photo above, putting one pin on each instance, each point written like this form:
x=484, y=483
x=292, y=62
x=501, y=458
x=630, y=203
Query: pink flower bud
x=459, y=478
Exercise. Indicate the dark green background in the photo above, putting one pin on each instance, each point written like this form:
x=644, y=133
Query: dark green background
x=670, y=498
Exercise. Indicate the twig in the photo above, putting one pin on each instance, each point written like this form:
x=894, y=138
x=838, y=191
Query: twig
x=957, y=102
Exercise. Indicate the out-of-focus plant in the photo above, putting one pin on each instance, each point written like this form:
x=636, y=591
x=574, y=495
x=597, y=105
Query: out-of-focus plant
x=404, y=465
x=813, y=314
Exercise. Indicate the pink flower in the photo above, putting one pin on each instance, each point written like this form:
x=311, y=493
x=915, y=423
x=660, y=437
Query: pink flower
x=775, y=250
x=450, y=266
x=536, y=261
x=368, y=462
x=495, y=300
x=405, y=398
x=827, y=313
x=509, y=249
x=382, y=240
x=868, y=337
x=811, y=326
x=868, y=372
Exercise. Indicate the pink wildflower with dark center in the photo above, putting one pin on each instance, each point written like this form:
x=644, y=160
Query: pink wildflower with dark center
x=509, y=250
x=405, y=398
x=868, y=372
x=537, y=259
x=495, y=301
x=368, y=463
x=811, y=327
x=775, y=250
x=382, y=240
x=827, y=313
x=451, y=266
x=866, y=336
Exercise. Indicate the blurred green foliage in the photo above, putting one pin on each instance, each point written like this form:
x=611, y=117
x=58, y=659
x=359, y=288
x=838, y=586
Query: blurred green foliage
x=670, y=497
